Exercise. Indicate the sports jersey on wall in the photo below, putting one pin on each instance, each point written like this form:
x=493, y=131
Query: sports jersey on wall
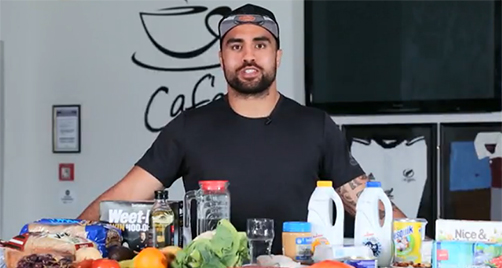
x=467, y=171
x=401, y=166
x=488, y=147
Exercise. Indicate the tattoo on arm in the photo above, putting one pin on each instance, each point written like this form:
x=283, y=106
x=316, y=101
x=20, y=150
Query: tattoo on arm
x=397, y=213
x=351, y=191
x=381, y=213
x=353, y=184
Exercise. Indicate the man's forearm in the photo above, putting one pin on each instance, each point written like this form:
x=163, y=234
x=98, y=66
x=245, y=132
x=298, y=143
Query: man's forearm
x=396, y=212
x=138, y=184
x=91, y=213
x=351, y=191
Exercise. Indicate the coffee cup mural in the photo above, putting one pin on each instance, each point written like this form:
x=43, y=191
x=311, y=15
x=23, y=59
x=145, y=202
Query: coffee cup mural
x=180, y=103
x=188, y=48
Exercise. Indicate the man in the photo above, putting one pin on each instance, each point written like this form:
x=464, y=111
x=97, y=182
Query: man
x=139, y=243
x=271, y=149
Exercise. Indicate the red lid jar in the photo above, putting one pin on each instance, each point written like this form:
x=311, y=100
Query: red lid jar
x=213, y=185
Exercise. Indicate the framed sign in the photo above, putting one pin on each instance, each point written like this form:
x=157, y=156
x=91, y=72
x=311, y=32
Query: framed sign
x=66, y=129
x=403, y=158
x=471, y=171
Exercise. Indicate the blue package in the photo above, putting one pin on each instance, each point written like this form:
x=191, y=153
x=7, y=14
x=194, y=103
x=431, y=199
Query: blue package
x=457, y=254
x=362, y=263
x=103, y=234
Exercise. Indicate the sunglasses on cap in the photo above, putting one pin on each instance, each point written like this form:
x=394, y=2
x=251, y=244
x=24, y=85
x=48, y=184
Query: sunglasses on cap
x=264, y=21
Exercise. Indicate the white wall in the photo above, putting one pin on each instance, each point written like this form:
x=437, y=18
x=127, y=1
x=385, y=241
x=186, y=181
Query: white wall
x=1, y=120
x=79, y=52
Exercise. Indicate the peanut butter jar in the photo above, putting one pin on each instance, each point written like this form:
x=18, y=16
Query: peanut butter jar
x=297, y=241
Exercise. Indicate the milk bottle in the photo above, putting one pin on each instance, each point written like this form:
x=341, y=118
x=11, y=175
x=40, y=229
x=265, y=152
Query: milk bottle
x=367, y=229
x=320, y=215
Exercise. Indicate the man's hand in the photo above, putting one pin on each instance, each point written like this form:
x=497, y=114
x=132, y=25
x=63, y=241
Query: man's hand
x=138, y=184
x=350, y=192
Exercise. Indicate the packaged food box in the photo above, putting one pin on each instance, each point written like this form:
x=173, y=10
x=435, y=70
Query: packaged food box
x=361, y=262
x=473, y=231
x=459, y=254
x=133, y=218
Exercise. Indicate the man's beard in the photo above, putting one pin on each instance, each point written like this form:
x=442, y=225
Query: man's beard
x=256, y=87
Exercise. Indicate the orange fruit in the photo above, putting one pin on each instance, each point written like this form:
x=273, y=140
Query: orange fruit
x=331, y=264
x=150, y=257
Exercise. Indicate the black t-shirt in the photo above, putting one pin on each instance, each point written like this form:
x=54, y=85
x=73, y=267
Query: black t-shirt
x=272, y=164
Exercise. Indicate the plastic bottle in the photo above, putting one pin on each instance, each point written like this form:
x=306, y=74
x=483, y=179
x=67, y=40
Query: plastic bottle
x=320, y=215
x=368, y=230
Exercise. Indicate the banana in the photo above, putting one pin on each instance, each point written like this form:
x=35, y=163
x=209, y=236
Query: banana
x=170, y=252
x=127, y=264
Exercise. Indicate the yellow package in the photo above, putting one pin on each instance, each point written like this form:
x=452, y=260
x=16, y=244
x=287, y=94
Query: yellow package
x=408, y=237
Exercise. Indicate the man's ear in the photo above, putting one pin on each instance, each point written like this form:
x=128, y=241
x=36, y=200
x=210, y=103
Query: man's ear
x=278, y=57
x=219, y=57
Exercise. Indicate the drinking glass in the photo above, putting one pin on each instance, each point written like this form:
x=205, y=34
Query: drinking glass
x=260, y=234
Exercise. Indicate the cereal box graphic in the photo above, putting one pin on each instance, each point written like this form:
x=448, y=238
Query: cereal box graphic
x=469, y=231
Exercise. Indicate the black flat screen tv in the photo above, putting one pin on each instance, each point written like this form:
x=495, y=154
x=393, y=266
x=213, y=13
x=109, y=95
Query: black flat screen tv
x=398, y=57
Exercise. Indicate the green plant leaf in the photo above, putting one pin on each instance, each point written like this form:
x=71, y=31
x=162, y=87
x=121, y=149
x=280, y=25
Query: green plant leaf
x=226, y=248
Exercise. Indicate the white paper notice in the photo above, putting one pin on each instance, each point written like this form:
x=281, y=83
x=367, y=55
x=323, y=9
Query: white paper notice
x=66, y=123
x=67, y=196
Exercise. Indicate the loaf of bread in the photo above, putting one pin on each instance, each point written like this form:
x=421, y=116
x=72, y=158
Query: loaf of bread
x=58, y=245
x=103, y=234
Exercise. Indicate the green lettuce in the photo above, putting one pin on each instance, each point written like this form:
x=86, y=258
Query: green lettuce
x=226, y=248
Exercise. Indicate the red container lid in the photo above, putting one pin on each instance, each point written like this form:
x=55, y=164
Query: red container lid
x=213, y=185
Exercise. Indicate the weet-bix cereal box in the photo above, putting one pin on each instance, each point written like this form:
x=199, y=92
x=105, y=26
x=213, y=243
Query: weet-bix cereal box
x=133, y=218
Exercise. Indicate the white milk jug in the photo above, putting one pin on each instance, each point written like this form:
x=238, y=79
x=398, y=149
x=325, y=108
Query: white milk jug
x=320, y=215
x=367, y=229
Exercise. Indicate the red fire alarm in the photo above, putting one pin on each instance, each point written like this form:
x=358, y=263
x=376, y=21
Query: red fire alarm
x=66, y=171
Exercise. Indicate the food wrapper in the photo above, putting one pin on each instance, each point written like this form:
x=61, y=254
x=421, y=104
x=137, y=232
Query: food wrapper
x=2, y=259
x=10, y=257
x=60, y=245
x=103, y=234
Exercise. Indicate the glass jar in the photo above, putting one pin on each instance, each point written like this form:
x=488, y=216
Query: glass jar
x=297, y=241
x=213, y=204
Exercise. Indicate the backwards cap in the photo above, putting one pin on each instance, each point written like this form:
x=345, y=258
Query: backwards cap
x=249, y=14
